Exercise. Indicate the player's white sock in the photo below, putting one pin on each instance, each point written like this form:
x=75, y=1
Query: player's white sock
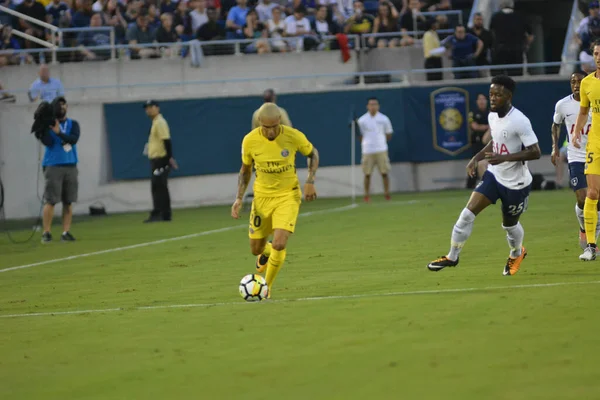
x=514, y=236
x=460, y=233
x=579, y=213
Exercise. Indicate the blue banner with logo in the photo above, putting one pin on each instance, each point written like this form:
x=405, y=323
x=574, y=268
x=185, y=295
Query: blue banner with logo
x=450, y=120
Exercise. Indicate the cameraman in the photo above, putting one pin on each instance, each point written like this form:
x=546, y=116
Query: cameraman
x=60, y=169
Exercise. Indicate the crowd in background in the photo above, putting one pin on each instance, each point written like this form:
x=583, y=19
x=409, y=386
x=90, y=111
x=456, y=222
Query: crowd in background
x=270, y=25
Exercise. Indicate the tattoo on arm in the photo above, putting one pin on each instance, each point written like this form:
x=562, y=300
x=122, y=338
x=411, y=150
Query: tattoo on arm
x=555, y=136
x=313, y=165
x=243, y=180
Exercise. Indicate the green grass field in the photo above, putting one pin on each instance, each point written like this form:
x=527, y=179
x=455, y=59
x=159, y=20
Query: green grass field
x=356, y=315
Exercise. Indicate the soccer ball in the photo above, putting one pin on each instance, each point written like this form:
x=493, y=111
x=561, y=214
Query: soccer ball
x=253, y=287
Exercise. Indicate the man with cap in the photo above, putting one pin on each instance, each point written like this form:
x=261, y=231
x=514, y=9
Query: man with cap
x=160, y=152
x=270, y=97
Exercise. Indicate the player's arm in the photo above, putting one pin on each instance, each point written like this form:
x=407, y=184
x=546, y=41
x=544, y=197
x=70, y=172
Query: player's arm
x=584, y=109
x=556, y=124
x=582, y=119
x=472, y=165
x=243, y=179
x=312, y=160
x=531, y=152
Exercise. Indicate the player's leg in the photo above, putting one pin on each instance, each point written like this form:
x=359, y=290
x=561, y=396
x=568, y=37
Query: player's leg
x=590, y=208
x=577, y=182
x=514, y=203
x=484, y=195
x=367, y=164
x=384, y=166
x=52, y=195
x=284, y=218
x=259, y=231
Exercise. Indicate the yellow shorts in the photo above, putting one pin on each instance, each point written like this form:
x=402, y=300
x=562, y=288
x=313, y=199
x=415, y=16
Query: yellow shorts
x=592, y=161
x=270, y=213
x=381, y=160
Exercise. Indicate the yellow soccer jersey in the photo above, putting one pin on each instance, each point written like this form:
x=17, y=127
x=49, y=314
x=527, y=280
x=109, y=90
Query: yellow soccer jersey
x=590, y=97
x=274, y=161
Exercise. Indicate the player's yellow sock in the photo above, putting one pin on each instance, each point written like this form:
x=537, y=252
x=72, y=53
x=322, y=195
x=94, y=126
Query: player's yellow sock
x=268, y=249
x=590, y=218
x=276, y=260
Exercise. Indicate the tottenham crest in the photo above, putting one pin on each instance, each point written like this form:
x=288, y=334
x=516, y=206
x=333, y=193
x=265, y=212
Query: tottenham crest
x=285, y=152
x=574, y=182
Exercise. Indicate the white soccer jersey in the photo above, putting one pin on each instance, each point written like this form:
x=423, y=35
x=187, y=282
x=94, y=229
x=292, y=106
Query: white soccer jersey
x=373, y=130
x=566, y=111
x=510, y=134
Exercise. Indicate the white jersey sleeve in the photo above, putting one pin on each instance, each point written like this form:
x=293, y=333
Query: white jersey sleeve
x=559, y=115
x=526, y=133
x=388, y=126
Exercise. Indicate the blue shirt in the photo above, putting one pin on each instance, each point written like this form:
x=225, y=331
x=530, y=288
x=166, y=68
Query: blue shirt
x=55, y=10
x=46, y=91
x=462, y=48
x=238, y=15
x=60, y=151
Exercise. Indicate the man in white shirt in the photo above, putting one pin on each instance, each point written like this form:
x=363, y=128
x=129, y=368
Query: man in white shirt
x=567, y=110
x=375, y=130
x=297, y=25
x=507, y=178
x=198, y=15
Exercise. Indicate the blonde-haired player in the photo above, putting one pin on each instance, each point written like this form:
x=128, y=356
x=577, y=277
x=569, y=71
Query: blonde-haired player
x=272, y=149
x=589, y=93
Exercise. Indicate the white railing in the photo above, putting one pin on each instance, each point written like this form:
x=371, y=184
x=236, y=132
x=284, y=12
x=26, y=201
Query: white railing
x=45, y=25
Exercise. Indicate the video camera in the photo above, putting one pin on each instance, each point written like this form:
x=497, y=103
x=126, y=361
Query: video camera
x=45, y=116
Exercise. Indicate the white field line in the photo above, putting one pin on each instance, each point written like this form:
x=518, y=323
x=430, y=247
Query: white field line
x=173, y=239
x=349, y=297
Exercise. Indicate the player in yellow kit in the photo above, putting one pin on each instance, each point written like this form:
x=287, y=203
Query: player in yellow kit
x=590, y=101
x=272, y=149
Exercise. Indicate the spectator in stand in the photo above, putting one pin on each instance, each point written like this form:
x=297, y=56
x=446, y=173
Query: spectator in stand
x=298, y=27
x=132, y=11
x=582, y=30
x=431, y=51
x=465, y=49
x=320, y=25
x=168, y=6
x=140, y=33
x=211, y=30
x=56, y=10
x=153, y=17
x=9, y=42
x=183, y=21
x=512, y=37
x=112, y=16
x=35, y=10
x=411, y=21
x=83, y=17
x=359, y=22
x=94, y=38
x=265, y=10
x=485, y=36
x=236, y=19
x=198, y=15
x=45, y=88
x=276, y=28
x=166, y=31
x=385, y=22
x=256, y=30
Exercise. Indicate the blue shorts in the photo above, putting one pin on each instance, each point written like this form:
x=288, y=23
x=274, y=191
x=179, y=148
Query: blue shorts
x=514, y=201
x=577, y=176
